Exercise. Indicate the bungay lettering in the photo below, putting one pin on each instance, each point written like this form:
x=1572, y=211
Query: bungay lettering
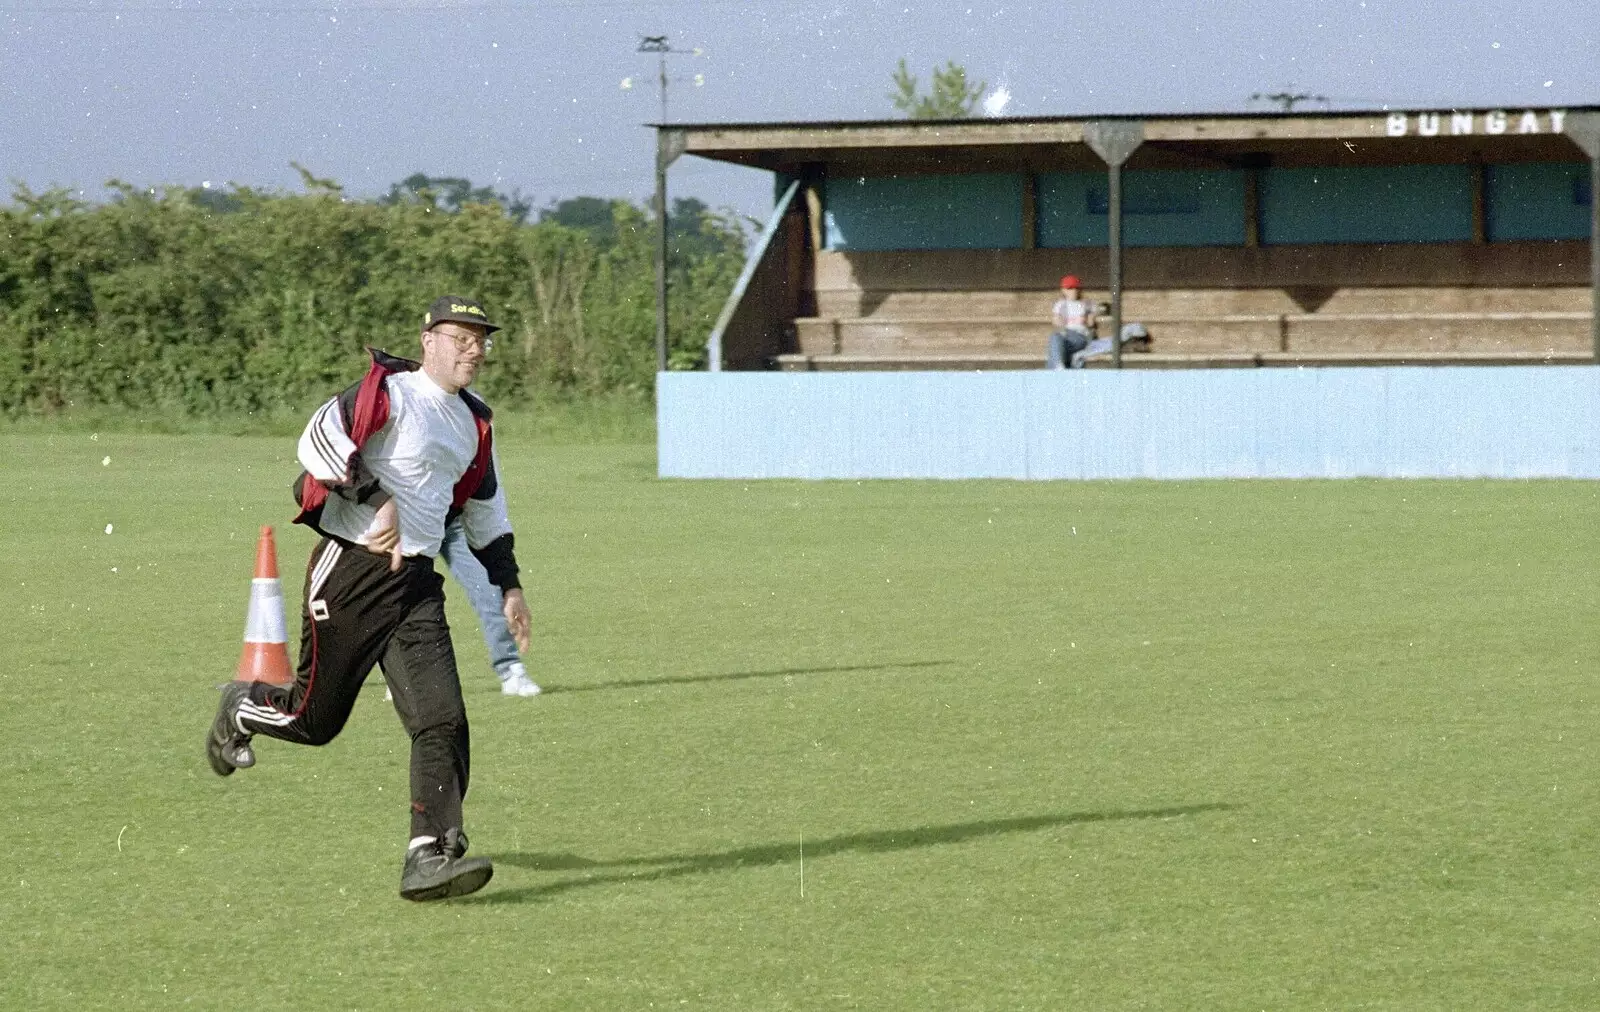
x=1463, y=124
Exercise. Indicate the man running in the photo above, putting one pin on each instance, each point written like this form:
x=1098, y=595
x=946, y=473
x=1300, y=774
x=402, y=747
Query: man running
x=388, y=464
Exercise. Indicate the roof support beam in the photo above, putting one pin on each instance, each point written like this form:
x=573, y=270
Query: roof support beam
x=751, y=264
x=1584, y=129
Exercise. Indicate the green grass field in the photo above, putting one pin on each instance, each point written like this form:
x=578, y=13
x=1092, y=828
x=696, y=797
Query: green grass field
x=1043, y=746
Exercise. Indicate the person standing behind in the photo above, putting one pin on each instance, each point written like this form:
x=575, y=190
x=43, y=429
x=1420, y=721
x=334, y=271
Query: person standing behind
x=388, y=464
x=487, y=601
x=1075, y=322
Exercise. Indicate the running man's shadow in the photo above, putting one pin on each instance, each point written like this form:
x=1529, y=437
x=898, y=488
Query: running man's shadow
x=670, y=866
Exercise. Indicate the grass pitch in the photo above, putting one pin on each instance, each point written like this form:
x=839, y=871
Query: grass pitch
x=1196, y=745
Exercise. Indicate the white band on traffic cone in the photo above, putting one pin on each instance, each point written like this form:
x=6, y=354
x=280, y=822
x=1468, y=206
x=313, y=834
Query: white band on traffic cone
x=264, y=621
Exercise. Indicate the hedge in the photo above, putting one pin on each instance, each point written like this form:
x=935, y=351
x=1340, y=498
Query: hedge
x=262, y=301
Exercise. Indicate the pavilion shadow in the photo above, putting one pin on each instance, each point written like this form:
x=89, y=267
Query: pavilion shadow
x=669, y=866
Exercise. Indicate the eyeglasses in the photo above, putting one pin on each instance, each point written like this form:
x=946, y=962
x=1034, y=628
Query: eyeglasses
x=466, y=342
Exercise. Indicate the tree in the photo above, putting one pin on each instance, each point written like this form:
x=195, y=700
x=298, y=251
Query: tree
x=951, y=97
x=597, y=216
x=315, y=185
x=218, y=201
x=452, y=193
x=594, y=215
x=686, y=232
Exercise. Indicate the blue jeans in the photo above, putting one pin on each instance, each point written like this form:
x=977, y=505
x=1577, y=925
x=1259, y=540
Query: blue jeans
x=1063, y=345
x=484, y=597
x=1099, y=346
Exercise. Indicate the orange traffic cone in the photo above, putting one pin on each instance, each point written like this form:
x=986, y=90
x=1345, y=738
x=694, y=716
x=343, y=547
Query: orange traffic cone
x=266, y=650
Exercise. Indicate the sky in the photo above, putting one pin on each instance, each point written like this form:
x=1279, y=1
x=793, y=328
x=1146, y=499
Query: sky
x=529, y=96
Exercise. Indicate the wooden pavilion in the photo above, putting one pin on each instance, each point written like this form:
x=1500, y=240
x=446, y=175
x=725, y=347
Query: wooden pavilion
x=1420, y=237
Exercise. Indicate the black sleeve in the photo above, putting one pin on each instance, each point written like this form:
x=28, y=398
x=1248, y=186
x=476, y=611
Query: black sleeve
x=500, y=561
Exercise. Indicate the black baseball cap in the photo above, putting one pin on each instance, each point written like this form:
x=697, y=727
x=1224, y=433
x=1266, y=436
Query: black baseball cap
x=457, y=309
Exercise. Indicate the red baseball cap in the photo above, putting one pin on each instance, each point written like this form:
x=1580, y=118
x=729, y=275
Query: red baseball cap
x=1070, y=281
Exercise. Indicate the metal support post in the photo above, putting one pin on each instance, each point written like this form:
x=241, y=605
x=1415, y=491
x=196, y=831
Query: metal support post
x=1583, y=129
x=1594, y=250
x=1114, y=223
x=1114, y=140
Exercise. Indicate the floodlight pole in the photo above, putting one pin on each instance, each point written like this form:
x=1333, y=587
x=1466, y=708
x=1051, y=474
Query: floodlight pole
x=658, y=44
x=661, y=253
x=1114, y=140
x=669, y=145
x=661, y=78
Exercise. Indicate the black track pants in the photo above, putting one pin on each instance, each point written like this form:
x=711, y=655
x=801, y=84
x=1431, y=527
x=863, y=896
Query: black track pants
x=356, y=613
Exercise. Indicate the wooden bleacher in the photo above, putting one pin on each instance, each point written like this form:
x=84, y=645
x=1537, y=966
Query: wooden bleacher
x=889, y=328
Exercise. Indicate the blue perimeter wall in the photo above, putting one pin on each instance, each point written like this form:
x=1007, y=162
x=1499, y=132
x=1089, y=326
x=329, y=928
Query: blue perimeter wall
x=1483, y=421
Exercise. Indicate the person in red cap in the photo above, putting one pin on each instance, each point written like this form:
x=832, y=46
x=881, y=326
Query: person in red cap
x=1074, y=321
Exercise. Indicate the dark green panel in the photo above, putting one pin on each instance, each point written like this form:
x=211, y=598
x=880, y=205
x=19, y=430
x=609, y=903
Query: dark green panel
x=977, y=211
x=1160, y=207
x=1367, y=204
x=1537, y=200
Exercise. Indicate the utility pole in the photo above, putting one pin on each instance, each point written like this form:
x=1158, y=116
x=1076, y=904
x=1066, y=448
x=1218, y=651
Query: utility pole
x=658, y=44
x=665, y=155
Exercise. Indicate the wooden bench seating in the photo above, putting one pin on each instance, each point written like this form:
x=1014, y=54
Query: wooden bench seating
x=902, y=362
x=1228, y=340
x=877, y=335
x=1198, y=360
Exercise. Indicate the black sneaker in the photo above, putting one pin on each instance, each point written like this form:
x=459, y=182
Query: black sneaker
x=437, y=871
x=227, y=747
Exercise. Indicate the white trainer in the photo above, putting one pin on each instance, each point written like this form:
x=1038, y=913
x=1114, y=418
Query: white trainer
x=516, y=682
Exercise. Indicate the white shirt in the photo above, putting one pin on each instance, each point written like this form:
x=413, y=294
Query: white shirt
x=1073, y=314
x=417, y=457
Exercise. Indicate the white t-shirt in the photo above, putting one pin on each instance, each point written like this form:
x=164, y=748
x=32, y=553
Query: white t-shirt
x=1075, y=313
x=417, y=457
